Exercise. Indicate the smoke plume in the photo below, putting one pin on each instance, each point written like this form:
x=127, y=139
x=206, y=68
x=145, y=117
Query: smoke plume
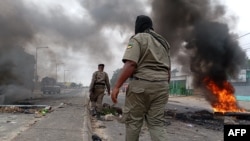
x=27, y=25
x=16, y=66
x=200, y=37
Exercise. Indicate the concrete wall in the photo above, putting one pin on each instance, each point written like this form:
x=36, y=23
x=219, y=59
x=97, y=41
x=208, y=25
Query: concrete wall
x=242, y=90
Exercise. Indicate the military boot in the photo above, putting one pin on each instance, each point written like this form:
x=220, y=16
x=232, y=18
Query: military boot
x=98, y=116
x=93, y=112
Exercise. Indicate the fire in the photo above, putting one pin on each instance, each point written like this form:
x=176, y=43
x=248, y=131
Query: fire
x=225, y=100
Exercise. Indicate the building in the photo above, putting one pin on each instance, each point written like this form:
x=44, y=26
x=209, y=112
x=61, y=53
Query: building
x=181, y=83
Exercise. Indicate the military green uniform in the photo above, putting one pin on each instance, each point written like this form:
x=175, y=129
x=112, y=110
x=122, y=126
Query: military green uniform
x=99, y=82
x=147, y=92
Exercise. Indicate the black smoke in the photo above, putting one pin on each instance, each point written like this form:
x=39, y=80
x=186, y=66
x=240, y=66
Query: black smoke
x=26, y=25
x=80, y=33
x=201, y=39
x=16, y=65
x=217, y=54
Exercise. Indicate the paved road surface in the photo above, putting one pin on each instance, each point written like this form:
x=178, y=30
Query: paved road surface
x=65, y=123
x=176, y=131
x=69, y=121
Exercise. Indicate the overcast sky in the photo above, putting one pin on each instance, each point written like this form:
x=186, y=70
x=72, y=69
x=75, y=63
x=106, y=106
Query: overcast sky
x=241, y=9
x=80, y=34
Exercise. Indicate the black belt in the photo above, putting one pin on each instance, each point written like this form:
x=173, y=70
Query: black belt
x=136, y=78
x=100, y=84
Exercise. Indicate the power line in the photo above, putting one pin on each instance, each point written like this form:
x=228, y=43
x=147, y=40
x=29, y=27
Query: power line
x=242, y=36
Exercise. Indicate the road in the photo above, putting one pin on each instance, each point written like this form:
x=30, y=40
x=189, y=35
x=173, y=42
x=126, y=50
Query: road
x=205, y=126
x=190, y=130
x=64, y=123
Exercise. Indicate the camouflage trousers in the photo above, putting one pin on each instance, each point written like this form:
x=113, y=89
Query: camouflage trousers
x=145, y=101
x=96, y=98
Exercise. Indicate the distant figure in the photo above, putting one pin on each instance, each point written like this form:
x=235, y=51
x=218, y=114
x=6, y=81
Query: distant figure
x=147, y=63
x=98, y=85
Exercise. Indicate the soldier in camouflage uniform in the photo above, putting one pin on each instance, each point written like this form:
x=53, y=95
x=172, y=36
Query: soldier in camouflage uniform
x=147, y=63
x=99, y=82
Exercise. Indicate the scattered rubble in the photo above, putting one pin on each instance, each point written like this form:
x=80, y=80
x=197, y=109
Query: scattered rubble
x=11, y=109
x=96, y=138
x=109, y=117
x=206, y=119
x=37, y=110
x=192, y=119
x=107, y=109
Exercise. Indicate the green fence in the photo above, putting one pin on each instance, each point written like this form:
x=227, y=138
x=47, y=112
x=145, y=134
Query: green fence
x=178, y=87
x=248, y=74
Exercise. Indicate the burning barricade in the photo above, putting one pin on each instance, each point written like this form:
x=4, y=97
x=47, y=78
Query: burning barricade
x=223, y=99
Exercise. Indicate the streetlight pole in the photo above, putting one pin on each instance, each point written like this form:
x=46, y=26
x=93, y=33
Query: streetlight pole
x=56, y=69
x=36, y=74
x=64, y=75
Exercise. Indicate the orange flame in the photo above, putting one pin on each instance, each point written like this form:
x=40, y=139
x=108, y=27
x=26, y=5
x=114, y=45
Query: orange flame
x=225, y=99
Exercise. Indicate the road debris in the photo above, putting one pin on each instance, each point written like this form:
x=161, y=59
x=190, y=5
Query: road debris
x=37, y=110
x=96, y=138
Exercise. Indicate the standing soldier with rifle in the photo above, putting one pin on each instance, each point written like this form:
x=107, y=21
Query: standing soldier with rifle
x=99, y=82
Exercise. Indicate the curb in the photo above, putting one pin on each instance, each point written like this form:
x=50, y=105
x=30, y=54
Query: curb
x=87, y=128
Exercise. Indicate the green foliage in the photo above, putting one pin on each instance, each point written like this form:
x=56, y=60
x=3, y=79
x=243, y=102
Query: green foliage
x=106, y=111
x=73, y=84
x=80, y=85
x=115, y=76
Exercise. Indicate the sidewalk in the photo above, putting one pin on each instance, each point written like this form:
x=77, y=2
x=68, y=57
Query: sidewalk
x=69, y=121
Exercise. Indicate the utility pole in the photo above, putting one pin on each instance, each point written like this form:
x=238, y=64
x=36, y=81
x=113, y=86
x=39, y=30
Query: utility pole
x=36, y=71
x=56, y=69
x=64, y=75
x=64, y=79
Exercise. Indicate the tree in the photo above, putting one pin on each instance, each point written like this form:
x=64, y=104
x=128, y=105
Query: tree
x=115, y=76
x=80, y=85
x=73, y=85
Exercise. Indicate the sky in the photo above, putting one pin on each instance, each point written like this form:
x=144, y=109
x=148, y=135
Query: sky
x=80, y=34
x=241, y=9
